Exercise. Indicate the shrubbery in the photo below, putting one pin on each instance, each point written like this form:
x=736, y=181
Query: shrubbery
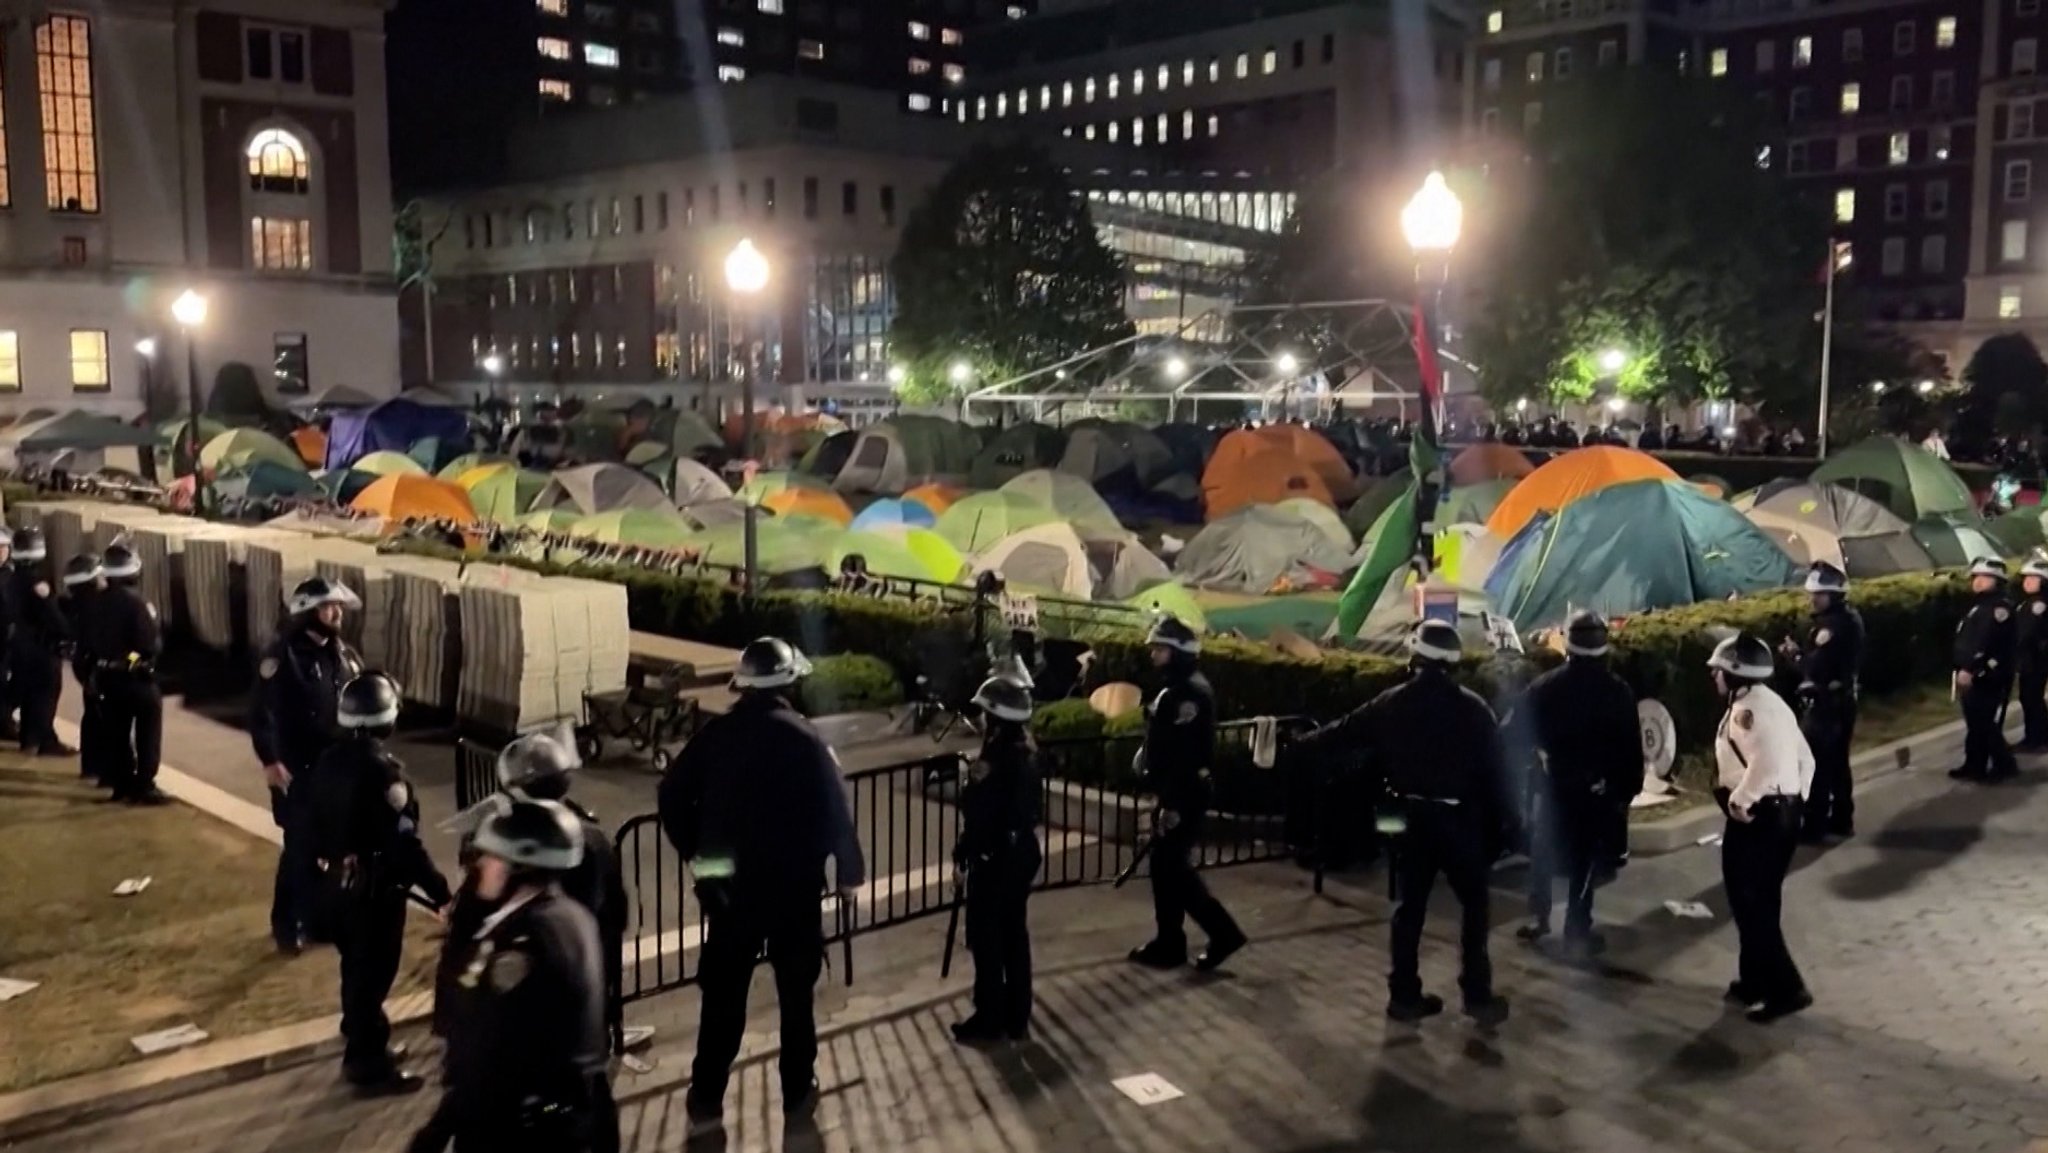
x=849, y=683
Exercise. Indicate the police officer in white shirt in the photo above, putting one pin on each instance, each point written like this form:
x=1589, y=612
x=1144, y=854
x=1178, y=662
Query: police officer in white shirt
x=1766, y=769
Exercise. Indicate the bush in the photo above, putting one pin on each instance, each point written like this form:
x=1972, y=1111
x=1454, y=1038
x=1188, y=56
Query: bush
x=849, y=683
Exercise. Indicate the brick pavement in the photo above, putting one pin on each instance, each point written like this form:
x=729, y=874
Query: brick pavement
x=1926, y=942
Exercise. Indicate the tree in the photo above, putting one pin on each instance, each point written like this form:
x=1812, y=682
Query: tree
x=1000, y=268
x=1647, y=221
x=236, y=393
x=2005, y=390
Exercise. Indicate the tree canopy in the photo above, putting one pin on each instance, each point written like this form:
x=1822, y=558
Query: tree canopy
x=1000, y=268
x=2005, y=390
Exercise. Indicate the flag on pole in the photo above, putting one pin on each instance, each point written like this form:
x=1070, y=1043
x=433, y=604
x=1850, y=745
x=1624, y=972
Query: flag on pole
x=1839, y=256
x=1392, y=551
x=1426, y=362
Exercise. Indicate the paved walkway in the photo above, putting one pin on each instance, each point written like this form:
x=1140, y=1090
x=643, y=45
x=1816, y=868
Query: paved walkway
x=1926, y=942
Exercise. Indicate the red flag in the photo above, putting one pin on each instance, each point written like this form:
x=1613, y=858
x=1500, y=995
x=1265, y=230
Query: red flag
x=1425, y=358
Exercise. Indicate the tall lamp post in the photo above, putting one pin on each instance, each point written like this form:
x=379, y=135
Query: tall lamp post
x=1431, y=221
x=189, y=310
x=1839, y=257
x=746, y=273
x=145, y=351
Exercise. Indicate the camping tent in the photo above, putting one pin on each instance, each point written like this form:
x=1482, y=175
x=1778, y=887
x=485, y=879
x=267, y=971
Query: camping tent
x=979, y=521
x=334, y=396
x=1903, y=477
x=661, y=527
x=77, y=429
x=766, y=484
x=1047, y=558
x=389, y=464
x=408, y=496
x=593, y=488
x=469, y=461
x=695, y=484
x=167, y=433
x=1630, y=547
x=501, y=493
x=828, y=457
x=244, y=445
x=1366, y=511
x=936, y=497
x=1249, y=469
x=827, y=506
x=259, y=478
x=343, y=485
x=310, y=442
x=1171, y=598
x=780, y=547
x=1815, y=521
x=1323, y=517
x=1115, y=456
x=905, y=451
x=1314, y=451
x=1125, y=568
x=685, y=433
x=713, y=513
x=1070, y=498
x=1018, y=448
x=1261, y=550
x=393, y=425
x=1189, y=444
x=596, y=435
x=1473, y=503
x=901, y=513
x=917, y=554
x=1954, y=541
x=2020, y=531
x=1569, y=477
x=1484, y=462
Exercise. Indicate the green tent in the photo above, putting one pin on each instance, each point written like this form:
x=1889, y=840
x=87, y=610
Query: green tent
x=265, y=478
x=453, y=470
x=1071, y=499
x=1630, y=547
x=1306, y=614
x=594, y=435
x=242, y=446
x=767, y=484
x=780, y=545
x=648, y=527
x=1955, y=541
x=168, y=432
x=1903, y=477
x=343, y=485
x=908, y=450
x=551, y=520
x=389, y=463
x=897, y=554
x=1173, y=599
x=1017, y=449
x=685, y=433
x=1472, y=503
x=2020, y=531
x=976, y=522
x=506, y=494
x=1366, y=510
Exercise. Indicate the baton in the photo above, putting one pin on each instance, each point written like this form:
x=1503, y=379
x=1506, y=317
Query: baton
x=1137, y=859
x=952, y=929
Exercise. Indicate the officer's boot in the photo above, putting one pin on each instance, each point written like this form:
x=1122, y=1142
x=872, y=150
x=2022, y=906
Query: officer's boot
x=1159, y=954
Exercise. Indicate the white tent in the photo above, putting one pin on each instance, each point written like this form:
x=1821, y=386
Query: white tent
x=1126, y=567
x=696, y=484
x=601, y=488
x=1049, y=558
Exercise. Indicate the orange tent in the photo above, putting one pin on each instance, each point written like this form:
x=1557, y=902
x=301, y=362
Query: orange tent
x=1247, y=468
x=936, y=497
x=821, y=503
x=1309, y=448
x=1484, y=462
x=1566, y=478
x=405, y=496
x=311, y=444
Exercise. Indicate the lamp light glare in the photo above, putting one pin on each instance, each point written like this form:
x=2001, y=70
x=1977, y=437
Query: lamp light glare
x=746, y=269
x=189, y=310
x=1433, y=217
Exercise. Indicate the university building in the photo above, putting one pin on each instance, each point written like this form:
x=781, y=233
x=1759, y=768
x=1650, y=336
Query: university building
x=237, y=151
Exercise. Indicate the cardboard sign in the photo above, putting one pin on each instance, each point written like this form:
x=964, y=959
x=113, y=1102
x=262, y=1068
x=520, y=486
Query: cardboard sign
x=1020, y=612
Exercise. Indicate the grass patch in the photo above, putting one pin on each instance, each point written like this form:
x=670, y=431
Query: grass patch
x=194, y=947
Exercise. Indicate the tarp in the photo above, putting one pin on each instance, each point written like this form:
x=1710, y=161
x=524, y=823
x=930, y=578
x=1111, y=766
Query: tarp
x=1312, y=450
x=393, y=425
x=245, y=445
x=905, y=451
x=903, y=513
x=409, y=496
x=828, y=506
x=1248, y=469
x=1070, y=498
x=696, y=484
x=916, y=554
x=1259, y=549
x=389, y=464
x=1630, y=547
x=1484, y=462
x=501, y=493
x=979, y=521
x=1569, y=477
x=1047, y=558
x=1903, y=477
x=1017, y=449
x=660, y=527
x=594, y=488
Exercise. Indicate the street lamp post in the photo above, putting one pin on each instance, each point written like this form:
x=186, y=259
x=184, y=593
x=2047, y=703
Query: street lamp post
x=1431, y=221
x=746, y=273
x=189, y=310
x=1838, y=259
x=145, y=351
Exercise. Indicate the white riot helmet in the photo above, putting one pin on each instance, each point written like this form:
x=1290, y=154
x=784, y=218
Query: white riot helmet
x=1826, y=578
x=314, y=592
x=1990, y=566
x=1743, y=656
x=1436, y=641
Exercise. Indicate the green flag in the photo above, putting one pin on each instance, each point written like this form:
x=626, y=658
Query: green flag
x=1392, y=551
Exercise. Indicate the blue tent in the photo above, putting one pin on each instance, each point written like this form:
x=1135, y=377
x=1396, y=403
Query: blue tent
x=1646, y=544
x=394, y=425
x=895, y=513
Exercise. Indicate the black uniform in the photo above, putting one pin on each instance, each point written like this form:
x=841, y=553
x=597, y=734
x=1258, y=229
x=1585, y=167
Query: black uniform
x=1180, y=740
x=755, y=801
x=77, y=606
x=34, y=657
x=123, y=640
x=599, y=885
x=10, y=613
x=999, y=852
x=1984, y=649
x=1829, y=662
x=364, y=838
x=1437, y=747
x=291, y=722
x=2030, y=644
x=526, y=1064
x=1583, y=719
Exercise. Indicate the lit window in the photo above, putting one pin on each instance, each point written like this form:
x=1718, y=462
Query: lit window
x=1137, y=82
x=1852, y=98
x=919, y=102
x=1900, y=148
x=1112, y=131
x=1016, y=11
x=1845, y=205
x=1165, y=77
x=1495, y=20
x=600, y=55
x=277, y=163
x=558, y=90
x=734, y=36
x=1067, y=94
x=919, y=66
x=772, y=7
x=70, y=131
x=280, y=244
x=953, y=73
x=1945, y=32
x=1187, y=73
x=1937, y=142
x=1088, y=132
x=949, y=36
x=10, y=361
x=89, y=359
x=810, y=49
x=1270, y=62
x=1763, y=157
x=1162, y=126
x=1023, y=101
x=2019, y=180
x=919, y=30
x=1187, y=125
x=1802, y=51
x=553, y=7
x=731, y=73
x=1215, y=124
x=1717, y=62
x=1244, y=65
x=1138, y=130
x=2012, y=240
x=553, y=47
x=1002, y=105
x=2009, y=302
x=1044, y=97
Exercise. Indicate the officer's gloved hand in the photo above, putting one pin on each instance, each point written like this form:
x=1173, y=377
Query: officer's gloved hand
x=1168, y=820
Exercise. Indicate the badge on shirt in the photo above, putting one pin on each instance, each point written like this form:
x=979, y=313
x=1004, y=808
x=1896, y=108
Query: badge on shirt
x=2040, y=607
x=507, y=970
x=397, y=794
x=42, y=588
x=1823, y=636
x=1744, y=719
x=268, y=668
x=1999, y=615
x=1189, y=711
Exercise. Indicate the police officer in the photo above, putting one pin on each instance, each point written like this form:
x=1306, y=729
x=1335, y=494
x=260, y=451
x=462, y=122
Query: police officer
x=999, y=853
x=365, y=841
x=1765, y=771
x=9, y=613
x=83, y=580
x=34, y=650
x=755, y=804
x=1437, y=745
x=292, y=721
x=537, y=767
x=1983, y=675
x=1583, y=721
x=2030, y=641
x=125, y=639
x=1829, y=662
x=1180, y=738
x=526, y=1062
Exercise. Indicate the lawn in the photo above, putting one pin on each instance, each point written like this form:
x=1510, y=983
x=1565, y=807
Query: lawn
x=192, y=948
